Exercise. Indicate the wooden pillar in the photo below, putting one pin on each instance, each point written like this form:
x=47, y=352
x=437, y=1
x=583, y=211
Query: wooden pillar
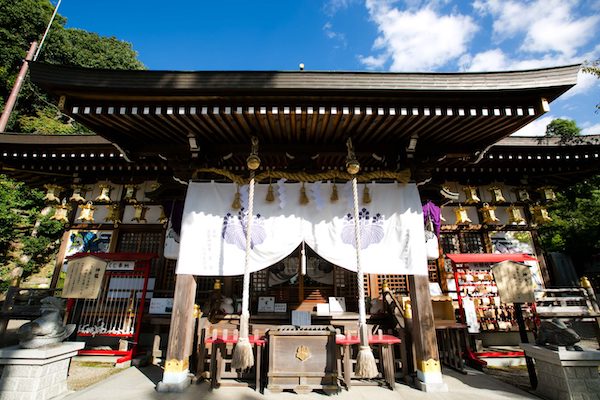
x=429, y=371
x=181, y=336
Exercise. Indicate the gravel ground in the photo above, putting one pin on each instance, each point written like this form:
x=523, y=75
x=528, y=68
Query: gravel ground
x=85, y=373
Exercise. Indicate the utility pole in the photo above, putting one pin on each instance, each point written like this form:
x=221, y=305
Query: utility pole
x=12, y=99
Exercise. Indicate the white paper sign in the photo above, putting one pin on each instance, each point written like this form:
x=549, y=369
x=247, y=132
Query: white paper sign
x=266, y=304
x=280, y=307
x=300, y=318
x=161, y=306
x=337, y=305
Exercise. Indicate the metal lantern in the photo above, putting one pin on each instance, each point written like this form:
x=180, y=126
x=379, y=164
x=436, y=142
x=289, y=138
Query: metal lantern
x=522, y=194
x=547, y=193
x=489, y=214
x=52, y=193
x=540, y=215
x=514, y=215
x=497, y=195
x=87, y=212
x=114, y=214
x=471, y=194
x=104, y=194
x=78, y=195
x=461, y=216
x=130, y=193
x=61, y=212
x=140, y=213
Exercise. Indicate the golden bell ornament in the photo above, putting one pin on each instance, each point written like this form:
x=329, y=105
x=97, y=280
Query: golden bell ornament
x=489, y=214
x=87, y=212
x=462, y=217
x=163, y=219
x=130, y=193
x=540, y=215
x=140, y=213
x=303, y=196
x=52, y=193
x=547, y=193
x=61, y=212
x=514, y=216
x=471, y=195
x=366, y=195
x=78, y=195
x=104, y=195
x=497, y=195
x=114, y=214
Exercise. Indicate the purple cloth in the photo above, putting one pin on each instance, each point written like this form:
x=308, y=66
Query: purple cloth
x=433, y=213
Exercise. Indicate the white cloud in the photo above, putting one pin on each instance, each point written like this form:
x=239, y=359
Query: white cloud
x=591, y=130
x=417, y=40
x=535, y=128
x=331, y=7
x=585, y=82
x=333, y=35
x=547, y=25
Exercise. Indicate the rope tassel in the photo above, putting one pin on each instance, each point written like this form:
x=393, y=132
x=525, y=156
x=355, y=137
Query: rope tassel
x=303, y=196
x=334, y=193
x=237, y=200
x=366, y=195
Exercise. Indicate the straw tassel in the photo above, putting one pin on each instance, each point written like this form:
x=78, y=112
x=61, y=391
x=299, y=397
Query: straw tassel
x=366, y=195
x=303, y=196
x=270, y=194
x=237, y=200
x=334, y=193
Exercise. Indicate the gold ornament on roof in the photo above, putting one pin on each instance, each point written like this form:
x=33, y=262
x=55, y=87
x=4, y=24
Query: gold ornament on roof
x=462, y=217
x=52, y=193
x=130, y=193
x=522, y=194
x=547, y=193
x=163, y=219
x=497, y=195
x=104, y=195
x=514, y=216
x=352, y=164
x=253, y=161
x=87, y=212
x=140, y=213
x=114, y=214
x=471, y=195
x=61, y=212
x=489, y=214
x=540, y=215
x=78, y=195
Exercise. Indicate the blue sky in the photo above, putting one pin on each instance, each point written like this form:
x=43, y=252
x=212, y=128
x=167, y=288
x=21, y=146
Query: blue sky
x=378, y=35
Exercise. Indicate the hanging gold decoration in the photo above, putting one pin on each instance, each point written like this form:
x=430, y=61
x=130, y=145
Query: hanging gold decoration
x=489, y=214
x=140, y=213
x=471, y=194
x=104, y=195
x=78, y=195
x=540, y=215
x=52, y=193
x=237, y=199
x=87, y=212
x=462, y=217
x=522, y=194
x=514, y=215
x=334, y=193
x=114, y=214
x=303, y=196
x=61, y=212
x=366, y=195
x=497, y=195
x=547, y=193
x=163, y=219
x=130, y=193
x=270, y=194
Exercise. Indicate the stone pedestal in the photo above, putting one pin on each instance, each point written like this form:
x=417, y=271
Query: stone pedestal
x=565, y=375
x=35, y=374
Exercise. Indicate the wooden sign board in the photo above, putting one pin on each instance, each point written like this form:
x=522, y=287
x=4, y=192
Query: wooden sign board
x=514, y=282
x=84, y=278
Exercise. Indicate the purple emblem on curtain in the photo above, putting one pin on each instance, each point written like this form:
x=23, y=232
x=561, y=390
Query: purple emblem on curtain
x=234, y=229
x=371, y=229
x=433, y=213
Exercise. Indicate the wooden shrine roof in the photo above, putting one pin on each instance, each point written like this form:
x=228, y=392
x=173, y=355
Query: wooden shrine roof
x=302, y=118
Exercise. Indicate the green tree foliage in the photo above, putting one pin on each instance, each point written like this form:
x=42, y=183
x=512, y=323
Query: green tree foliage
x=594, y=69
x=564, y=128
x=20, y=208
x=575, y=226
x=24, y=21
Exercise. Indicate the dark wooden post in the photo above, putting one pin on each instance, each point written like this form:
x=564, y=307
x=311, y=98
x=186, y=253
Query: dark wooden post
x=181, y=336
x=429, y=371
